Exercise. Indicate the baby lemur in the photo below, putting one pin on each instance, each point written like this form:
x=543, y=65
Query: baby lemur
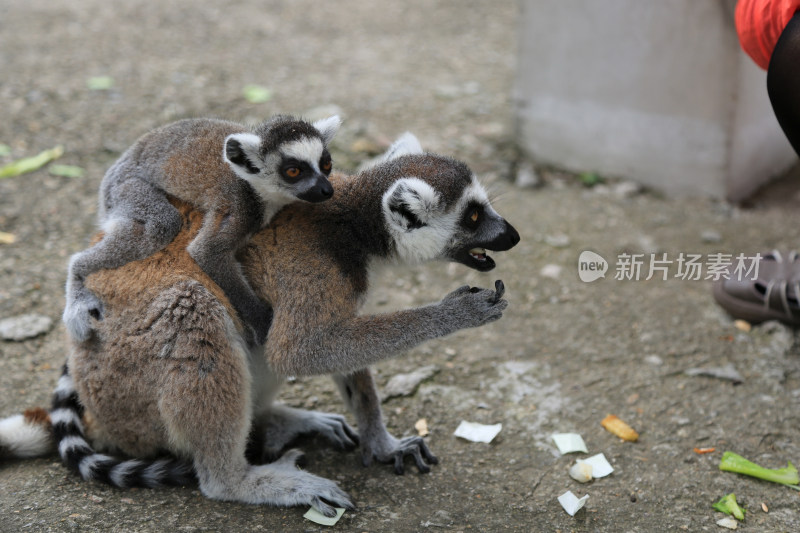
x=168, y=369
x=239, y=177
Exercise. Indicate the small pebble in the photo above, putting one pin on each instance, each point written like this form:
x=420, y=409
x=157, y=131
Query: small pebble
x=627, y=189
x=710, y=236
x=406, y=384
x=550, y=271
x=557, y=241
x=23, y=327
x=527, y=177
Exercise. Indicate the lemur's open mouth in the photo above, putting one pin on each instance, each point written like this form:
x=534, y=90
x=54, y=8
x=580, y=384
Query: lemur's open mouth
x=478, y=254
x=476, y=258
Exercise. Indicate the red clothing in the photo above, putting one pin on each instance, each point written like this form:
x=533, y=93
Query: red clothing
x=759, y=23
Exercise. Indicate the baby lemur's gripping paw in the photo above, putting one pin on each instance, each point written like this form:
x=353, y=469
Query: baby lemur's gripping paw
x=473, y=306
x=335, y=429
x=280, y=431
x=78, y=315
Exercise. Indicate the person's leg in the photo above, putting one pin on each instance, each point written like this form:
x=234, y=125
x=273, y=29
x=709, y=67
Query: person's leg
x=783, y=81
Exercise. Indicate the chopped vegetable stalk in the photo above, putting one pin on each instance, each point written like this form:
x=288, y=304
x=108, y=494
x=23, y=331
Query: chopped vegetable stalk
x=728, y=505
x=732, y=462
x=29, y=164
x=66, y=171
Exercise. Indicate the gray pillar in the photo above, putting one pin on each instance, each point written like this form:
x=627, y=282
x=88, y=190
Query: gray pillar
x=657, y=91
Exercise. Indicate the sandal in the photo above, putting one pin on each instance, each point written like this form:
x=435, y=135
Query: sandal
x=774, y=294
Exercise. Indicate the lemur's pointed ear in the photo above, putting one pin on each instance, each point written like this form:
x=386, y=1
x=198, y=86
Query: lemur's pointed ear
x=242, y=152
x=327, y=127
x=410, y=203
x=406, y=144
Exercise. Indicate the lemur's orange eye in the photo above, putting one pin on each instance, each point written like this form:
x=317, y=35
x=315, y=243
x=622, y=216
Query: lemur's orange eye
x=474, y=216
x=292, y=172
x=327, y=166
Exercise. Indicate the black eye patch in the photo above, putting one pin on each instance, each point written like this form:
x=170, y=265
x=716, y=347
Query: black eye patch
x=473, y=216
x=294, y=169
x=325, y=162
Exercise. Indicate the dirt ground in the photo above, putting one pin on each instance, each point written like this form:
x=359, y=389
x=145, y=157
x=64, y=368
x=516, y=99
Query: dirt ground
x=566, y=354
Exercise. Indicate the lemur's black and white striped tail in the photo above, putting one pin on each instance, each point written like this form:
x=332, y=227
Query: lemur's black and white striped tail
x=78, y=454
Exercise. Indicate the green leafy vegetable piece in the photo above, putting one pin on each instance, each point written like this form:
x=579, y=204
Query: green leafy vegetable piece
x=728, y=505
x=256, y=94
x=100, y=83
x=787, y=475
x=29, y=164
x=590, y=179
x=66, y=171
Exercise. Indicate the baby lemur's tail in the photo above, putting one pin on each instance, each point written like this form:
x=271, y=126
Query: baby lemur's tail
x=78, y=454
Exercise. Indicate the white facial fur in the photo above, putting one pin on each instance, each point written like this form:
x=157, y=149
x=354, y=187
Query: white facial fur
x=274, y=193
x=308, y=149
x=429, y=242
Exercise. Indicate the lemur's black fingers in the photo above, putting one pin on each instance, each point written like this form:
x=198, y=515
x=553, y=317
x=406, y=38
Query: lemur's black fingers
x=422, y=466
x=418, y=450
x=326, y=510
x=345, y=503
x=346, y=436
x=352, y=434
x=423, y=456
x=500, y=290
x=426, y=453
x=399, y=469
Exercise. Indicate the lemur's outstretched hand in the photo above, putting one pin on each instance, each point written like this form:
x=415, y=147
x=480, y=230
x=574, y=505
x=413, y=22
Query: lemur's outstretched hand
x=473, y=306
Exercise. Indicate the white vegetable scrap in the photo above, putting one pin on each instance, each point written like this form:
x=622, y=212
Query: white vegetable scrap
x=571, y=503
x=319, y=518
x=472, y=431
x=600, y=466
x=569, y=443
x=729, y=523
x=581, y=472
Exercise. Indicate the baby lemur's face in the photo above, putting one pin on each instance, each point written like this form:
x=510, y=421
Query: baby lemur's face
x=285, y=159
x=303, y=167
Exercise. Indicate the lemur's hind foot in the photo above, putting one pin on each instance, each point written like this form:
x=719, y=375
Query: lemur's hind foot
x=280, y=483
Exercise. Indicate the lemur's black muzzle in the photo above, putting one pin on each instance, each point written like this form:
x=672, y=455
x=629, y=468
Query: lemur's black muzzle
x=507, y=239
x=319, y=192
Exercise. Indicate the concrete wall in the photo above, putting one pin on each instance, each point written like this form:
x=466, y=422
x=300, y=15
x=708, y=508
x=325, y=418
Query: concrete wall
x=655, y=91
